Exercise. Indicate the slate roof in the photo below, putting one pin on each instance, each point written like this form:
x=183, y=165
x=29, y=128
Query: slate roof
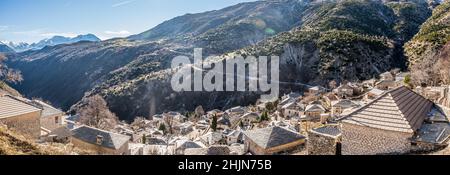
x=184, y=144
x=48, y=110
x=155, y=141
x=400, y=110
x=286, y=101
x=212, y=137
x=292, y=95
x=61, y=132
x=272, y=136
x=237, y=134
x=110, y=140
x=314, y=107
x=293, y=105
x=237, y=109
x=436, y=133
x=224, y=121
x=329, y=130
x=74, y=118
x=344, y=103
x=11, y=106
x=252, y=114
x=376, y=91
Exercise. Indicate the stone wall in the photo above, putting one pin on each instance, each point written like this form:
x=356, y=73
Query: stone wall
x=252, y=147
x=422, y=147
x=26, y=124
x=319, y=144
x=99, y=149
x=50, y=123
x=359, y=140
x=287, y=148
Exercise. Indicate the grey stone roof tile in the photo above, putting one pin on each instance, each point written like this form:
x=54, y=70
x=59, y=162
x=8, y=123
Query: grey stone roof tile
x=400, y=110
x=110, y=140
x=273, y=136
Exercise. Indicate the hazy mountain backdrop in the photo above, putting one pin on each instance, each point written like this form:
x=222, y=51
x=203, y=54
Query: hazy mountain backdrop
x=53, y=41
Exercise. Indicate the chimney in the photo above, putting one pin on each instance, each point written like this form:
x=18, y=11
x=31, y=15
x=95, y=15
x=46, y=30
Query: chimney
x=99, y=139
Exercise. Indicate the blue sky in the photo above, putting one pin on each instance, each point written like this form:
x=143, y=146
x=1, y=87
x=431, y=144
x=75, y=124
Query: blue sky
x=33, y=20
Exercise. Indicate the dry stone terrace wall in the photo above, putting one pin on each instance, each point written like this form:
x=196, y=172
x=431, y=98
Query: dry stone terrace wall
x=359, y=140
x=321, y=145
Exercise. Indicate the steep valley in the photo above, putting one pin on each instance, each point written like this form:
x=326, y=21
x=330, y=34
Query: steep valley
x=317, y=42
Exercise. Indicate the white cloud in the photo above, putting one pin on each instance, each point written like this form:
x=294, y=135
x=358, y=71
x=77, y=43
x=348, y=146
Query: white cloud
x=122, y=3
x=113, y=34
x=44, y=33
x=3, y=28
x=29, y=32
x=120, y=33
x=70, y=35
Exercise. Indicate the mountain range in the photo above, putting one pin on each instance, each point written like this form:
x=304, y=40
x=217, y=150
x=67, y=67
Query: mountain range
x=317, y=41
x=5, y=48
x=55, y=40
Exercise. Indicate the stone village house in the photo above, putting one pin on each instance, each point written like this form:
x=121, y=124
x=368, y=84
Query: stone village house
x=387, y=76
x=293, y=109
x=373, y=94
x=223, y=122
x=325, y=140
x=398, y=122
x=249, y=118
x=338, y=107
x=51, y=118
x=234, y=137
x=20, y=116
x=314, y=111
x=315, y=90
x=385, y=125
x=387, y=84
x=181, y=145
x=344, y=91
x=100, y=141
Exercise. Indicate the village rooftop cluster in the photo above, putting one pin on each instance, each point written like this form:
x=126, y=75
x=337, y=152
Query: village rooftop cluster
x=378, y=116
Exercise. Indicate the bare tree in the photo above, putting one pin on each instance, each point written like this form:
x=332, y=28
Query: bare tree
x=7, y=74
x=332, y=84
x=96, y=113
x=444, y=65
x=138, y=123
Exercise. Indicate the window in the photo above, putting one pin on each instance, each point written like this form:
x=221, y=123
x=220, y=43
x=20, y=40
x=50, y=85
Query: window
x=56, y=120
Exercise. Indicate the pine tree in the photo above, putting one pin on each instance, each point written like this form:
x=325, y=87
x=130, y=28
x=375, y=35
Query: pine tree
x=144, y=139
x=162, y=127
x=214, y=123
x=264, y=117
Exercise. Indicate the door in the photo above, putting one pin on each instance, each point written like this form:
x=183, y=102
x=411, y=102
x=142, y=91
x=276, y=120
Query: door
x=338, y=148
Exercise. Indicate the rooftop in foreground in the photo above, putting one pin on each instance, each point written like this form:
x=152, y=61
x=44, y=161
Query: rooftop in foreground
x=11, y=106
x=400, y=110
x=273, y=136
x=110, y=140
